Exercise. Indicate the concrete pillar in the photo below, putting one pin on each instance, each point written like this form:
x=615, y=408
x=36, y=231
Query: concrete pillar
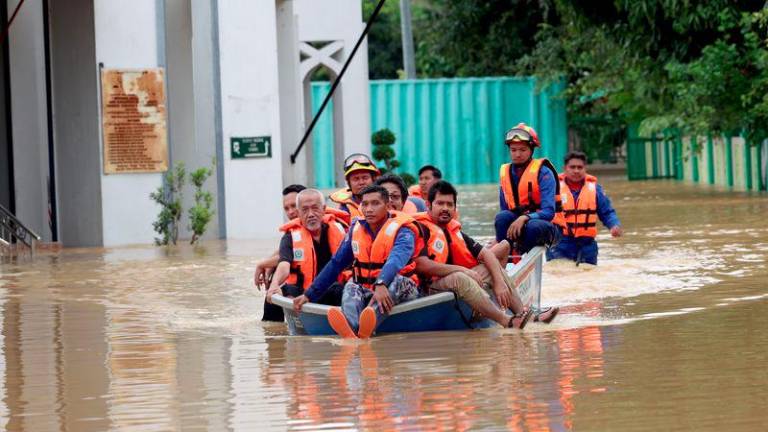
x=292, y=120
x=28, y=111
x=250, y=108
x=207, y=103
x=75, y=87
x=191, y=113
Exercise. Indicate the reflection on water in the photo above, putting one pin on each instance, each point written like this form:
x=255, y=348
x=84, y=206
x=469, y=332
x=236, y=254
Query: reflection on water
x=666, y=333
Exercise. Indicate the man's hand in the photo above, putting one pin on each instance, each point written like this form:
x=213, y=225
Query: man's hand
x=474, y=275
x=274, y=289
x=381, y=296
x=299, y=301
x=261, y=275
x=617, y=231
x=517, y=227
x=503, y=296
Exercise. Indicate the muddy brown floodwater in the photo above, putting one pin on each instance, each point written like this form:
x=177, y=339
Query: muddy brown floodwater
x=669, y=332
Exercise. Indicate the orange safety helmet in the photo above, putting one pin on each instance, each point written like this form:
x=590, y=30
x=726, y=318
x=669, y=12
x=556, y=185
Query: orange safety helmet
x=522, y=133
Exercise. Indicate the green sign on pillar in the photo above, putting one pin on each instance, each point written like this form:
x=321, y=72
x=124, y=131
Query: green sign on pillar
x=251, y=147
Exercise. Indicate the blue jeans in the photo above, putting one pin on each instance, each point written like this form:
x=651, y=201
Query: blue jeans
x=356, y=298
x=536, y=232
x=581, y=249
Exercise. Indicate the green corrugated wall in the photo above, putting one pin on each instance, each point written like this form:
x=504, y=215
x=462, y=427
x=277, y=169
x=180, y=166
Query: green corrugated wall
x=714, y=160
x=457, y=125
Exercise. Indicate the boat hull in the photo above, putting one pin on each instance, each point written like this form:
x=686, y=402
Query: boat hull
x=436, y=312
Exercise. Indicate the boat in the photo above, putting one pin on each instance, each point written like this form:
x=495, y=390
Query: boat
x=437, y=312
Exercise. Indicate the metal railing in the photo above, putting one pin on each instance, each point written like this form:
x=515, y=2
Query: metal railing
x=15, y=237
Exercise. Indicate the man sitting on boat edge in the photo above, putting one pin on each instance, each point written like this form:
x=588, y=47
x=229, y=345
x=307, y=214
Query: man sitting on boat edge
x=529, y=194
x=382, y=248
x=453, y=261
x=307, y=246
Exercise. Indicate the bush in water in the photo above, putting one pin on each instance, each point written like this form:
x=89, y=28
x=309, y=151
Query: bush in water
x=169, y=197
x=200, y=214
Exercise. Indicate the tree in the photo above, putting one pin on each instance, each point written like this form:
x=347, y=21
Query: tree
x=385, y=56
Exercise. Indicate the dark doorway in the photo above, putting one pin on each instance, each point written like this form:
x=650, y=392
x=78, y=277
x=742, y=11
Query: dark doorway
x=7, y=198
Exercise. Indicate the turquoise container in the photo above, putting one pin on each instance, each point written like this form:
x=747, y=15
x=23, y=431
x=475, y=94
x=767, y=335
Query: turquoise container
x=457, y=125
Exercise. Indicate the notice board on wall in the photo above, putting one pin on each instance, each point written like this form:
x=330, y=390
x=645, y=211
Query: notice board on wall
x=134, y=121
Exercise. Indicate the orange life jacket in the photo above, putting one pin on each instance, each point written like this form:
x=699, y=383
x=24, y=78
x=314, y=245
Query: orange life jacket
x=410, y=208
x=415, y=190
x=344, y=196
x=580, y=215
x=526, y=198
x=304, y=264
x=450, y=236
x=371, y=254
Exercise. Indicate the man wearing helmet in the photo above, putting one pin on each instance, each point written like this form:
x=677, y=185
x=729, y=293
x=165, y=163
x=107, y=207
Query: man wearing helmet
x=360, y=172
x=529, y=194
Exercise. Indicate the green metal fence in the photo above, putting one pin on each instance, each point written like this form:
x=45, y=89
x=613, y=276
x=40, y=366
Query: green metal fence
x=455, y=124
x=728, y=161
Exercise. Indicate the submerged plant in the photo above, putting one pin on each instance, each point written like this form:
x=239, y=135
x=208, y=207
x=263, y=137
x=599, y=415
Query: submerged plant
x=169, y=196
x=201, y=213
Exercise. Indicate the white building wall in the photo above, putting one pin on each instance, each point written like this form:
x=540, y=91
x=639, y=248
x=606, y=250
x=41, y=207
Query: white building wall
x=126, y=37
x=250, y=107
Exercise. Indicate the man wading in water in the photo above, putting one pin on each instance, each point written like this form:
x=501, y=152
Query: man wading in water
x=583, y=203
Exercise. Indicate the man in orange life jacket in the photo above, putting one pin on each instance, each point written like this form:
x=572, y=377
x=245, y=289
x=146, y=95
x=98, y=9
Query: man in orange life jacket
x=381, y=248
x=308, y=244
x=428, y=175
x=360, y=172
x=266, y=267
x=583, y=203
x=398, y=195
x=453, y=261
x=528, y=194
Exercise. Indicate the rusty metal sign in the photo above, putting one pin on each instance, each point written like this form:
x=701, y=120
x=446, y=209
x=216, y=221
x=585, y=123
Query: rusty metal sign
x=134, y=121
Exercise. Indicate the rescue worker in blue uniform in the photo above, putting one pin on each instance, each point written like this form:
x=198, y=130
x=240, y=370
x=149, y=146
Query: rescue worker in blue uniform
x=584, y=202
x=529, y=194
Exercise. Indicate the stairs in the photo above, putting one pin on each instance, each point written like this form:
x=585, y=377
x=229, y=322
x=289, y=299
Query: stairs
x=16, y=240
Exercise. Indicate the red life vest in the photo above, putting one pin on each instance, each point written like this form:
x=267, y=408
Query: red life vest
x=344, y=196
x=580, y=215
x=460, y=254
x=304, y=264
x=371, y=254
x=526, y=198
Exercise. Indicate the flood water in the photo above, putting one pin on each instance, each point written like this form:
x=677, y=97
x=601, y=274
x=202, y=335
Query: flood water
x=669, y=332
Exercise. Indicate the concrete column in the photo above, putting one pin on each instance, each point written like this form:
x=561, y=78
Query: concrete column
x=250, y=107
x=207, y=105
x=291, y=116
x=75, y=86
x=28, y=110
x=127, y=37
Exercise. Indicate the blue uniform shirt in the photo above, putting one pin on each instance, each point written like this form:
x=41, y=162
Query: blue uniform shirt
x=547, y=188
x=401, y=253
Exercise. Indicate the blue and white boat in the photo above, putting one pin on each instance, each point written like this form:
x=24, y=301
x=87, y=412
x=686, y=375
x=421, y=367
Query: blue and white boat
x=436, y=312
